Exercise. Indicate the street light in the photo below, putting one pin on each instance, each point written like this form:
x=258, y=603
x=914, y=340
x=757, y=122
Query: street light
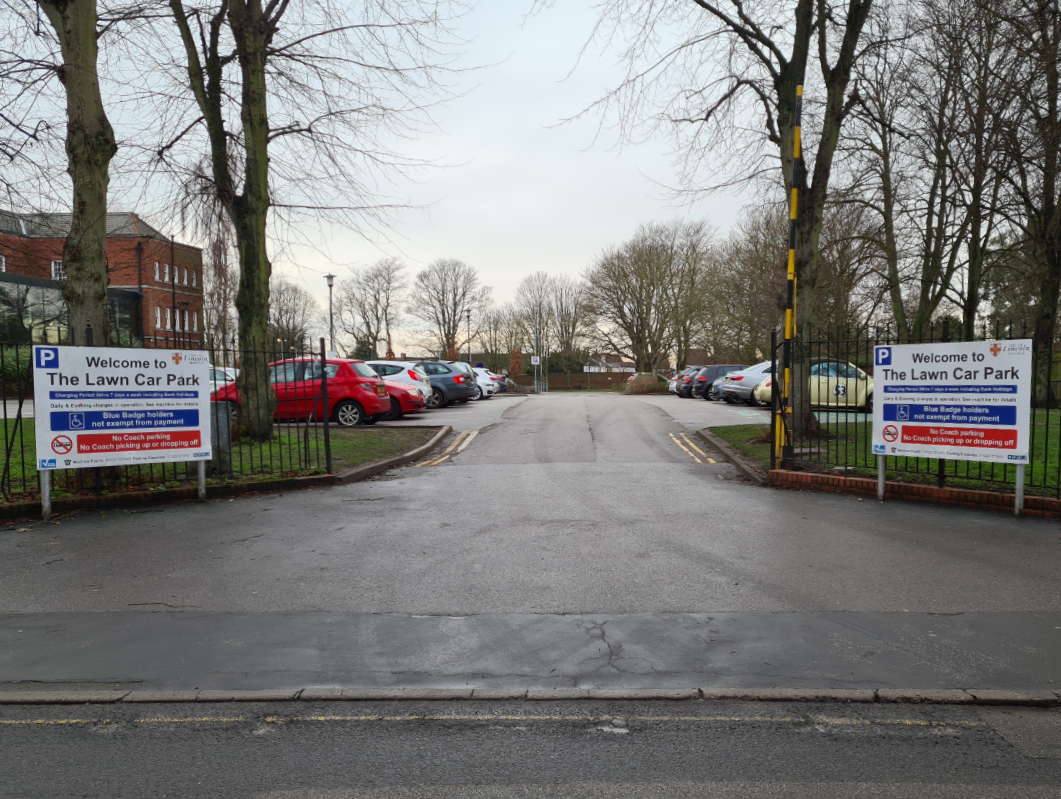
x=468, y=318
x=331, y=318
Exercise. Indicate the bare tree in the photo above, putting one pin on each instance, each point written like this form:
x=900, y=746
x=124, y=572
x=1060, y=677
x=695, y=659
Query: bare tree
x=369, y=303
x=294, y=316
x=296, y=102
x=440, y=296
x=90, y=143
x=571, y=321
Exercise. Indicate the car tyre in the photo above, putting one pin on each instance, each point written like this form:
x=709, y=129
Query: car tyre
x=478, y=393
x=710, y=395
x=436, y=400
x=869, y=404
x=395, y=413
x=349, y=414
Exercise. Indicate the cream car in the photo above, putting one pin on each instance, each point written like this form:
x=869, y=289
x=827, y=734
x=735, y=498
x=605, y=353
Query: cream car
x=836, y=384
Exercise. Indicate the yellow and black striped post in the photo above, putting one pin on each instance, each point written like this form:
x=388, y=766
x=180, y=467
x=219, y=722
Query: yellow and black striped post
x=783, y=442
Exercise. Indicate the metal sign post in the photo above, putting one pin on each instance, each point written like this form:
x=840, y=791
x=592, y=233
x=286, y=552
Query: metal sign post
x=783, y=450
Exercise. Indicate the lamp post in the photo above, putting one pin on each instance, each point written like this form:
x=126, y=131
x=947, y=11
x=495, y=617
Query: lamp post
x=468, y=319
x=331, y=318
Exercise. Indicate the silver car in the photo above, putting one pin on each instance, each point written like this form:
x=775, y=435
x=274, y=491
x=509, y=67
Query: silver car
x=739, y=385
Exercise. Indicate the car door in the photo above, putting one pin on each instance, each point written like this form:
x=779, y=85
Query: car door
x=283, y=377
x=851, y=385
x=823, y=380
x=309, y=397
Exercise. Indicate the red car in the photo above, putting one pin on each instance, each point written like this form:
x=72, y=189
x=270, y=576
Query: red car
x=404, y=399
x=356, y=394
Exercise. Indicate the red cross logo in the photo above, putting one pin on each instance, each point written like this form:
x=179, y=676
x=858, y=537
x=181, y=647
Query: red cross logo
x=176, y=358
x=995, y=349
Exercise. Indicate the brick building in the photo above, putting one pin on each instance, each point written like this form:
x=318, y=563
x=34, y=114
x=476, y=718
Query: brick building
x=155, y=292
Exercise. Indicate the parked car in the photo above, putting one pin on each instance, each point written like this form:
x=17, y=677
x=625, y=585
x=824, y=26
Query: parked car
x=683, y=387
x=763, y=393
x=706, y=377
x=740, y=384
x=448, y=383
x=404, y=398
x=403, y=372
x=486, y=382
x=220, y=375
x=837, y=384
x=473, y=378
x=356, y=394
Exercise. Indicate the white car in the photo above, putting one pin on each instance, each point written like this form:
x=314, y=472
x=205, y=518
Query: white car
x=487, y=383
x=404, y=372
x=222, y=375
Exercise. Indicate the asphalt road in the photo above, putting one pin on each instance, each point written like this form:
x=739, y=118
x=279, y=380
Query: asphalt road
x=569, y=539
x=530, y=750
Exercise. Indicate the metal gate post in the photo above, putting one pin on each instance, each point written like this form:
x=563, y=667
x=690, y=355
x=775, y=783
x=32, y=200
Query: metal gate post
x=1018, y=498
x=880, y=477
x=46, y=494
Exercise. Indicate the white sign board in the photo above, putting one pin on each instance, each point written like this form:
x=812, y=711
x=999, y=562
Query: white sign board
x=104, y=406
x=962, y=401
x=535, y=360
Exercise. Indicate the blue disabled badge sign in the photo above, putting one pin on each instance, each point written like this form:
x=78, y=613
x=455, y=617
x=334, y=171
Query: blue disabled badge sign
x=103, y=406
x=961, y=401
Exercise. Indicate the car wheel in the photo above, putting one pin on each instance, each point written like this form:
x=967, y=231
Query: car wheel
x=869, y=404
x=710, y=395
x=478, y=393
x=395, y=413
x=349, y=414
x=436, y=400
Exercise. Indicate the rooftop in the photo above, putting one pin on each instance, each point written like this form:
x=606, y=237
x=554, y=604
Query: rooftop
x=125, y=223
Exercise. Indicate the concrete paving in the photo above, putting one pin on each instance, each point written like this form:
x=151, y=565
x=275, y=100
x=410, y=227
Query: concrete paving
x=566, y=520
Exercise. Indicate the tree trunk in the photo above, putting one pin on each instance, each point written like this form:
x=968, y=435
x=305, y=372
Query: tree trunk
x=90, y=146
x=251, y=212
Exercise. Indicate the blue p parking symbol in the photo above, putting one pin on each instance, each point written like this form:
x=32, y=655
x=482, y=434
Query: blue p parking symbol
x=883, y=356
x=46, y=357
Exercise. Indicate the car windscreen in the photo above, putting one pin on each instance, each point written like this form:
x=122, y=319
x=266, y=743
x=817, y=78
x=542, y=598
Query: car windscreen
x=363, y=370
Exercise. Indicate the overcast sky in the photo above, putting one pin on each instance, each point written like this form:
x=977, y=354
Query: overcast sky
x=524, y=194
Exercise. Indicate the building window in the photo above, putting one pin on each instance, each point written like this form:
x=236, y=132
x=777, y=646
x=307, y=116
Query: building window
x=58, y=273
x=195, y=319
x=176, y=314
x=185, y=321
x=168, y=321
x=185, y=276
x=165, y=273
x=3, y=263
x=158, y=317
x=158, y=277
x=193, y=278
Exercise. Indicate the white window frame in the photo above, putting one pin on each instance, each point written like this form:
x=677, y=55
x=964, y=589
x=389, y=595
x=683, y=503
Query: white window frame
x=169, y=321
x=165, y=273
x=194, y=278
x=195, y=321
x=158, y=275
x=58, y=273
x=185, y=275
x=158, y=318
x=185, y=321
x=3, y=263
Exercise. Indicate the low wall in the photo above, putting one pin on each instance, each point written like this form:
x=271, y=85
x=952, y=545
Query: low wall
x=912, y=492
x=578, y=380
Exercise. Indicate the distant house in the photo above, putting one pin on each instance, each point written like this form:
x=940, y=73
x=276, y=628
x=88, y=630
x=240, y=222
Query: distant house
x=604, y=362
x=155, y=293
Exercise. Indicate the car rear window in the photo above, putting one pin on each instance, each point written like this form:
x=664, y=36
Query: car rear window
x=363, y=370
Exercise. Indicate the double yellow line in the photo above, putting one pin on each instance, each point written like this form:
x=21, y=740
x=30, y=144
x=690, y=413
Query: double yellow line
x=689, y=448
x=457, y=446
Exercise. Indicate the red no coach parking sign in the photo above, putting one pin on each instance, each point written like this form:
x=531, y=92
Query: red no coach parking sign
x=962, y=401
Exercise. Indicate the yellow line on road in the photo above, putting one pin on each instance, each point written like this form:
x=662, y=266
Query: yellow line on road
x=685, y=449
x=467, y=441
x=434, y=461
x=691, y=444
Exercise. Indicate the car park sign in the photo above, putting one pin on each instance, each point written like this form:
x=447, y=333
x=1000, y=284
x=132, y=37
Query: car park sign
x=960, y=401
x=103, y=406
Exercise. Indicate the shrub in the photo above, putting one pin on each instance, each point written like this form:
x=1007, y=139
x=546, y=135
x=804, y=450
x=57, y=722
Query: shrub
x=646, y=384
